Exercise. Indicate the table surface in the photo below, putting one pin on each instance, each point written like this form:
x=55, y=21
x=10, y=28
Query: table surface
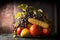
x=10, y=37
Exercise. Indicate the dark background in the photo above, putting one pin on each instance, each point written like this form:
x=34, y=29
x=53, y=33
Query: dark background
x=47, y=6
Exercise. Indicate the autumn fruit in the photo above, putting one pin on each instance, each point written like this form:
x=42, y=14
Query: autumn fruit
x=38, y=22
x=46, y=32
x=34, y=30
x=25, y=32
x=29, y=25
x=19, y=29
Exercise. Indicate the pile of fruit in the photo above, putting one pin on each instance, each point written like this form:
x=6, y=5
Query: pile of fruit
x=30, y=22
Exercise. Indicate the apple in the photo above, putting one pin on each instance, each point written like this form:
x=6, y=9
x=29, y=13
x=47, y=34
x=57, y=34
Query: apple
x=25, y=32
x=46, y=31
x=35, y=30
x=19, y=29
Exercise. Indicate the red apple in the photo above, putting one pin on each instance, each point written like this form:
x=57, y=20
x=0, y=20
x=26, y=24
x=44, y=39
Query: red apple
x=34, y=30
x=19, y=29
x=46, y=31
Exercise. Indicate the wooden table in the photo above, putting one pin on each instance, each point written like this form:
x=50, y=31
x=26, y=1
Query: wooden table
x=10, y=37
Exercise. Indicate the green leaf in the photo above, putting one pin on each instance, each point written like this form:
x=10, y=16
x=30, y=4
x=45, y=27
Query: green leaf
x=23, y=7
x=40, y=11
